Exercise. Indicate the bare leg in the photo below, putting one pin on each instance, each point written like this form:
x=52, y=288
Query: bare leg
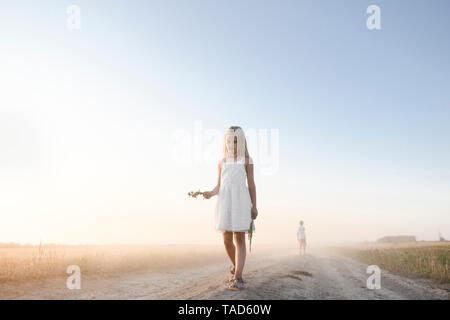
x=229, y=246
x=303, y=247
x=239, y=238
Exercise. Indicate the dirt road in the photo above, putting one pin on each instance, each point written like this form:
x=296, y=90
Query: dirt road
x=319, y=275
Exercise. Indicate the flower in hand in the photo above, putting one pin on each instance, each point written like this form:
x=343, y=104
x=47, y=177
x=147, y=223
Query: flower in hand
x=250, y=234
x=195, y=194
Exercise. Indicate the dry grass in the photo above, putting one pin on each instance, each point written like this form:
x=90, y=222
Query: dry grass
x=24, y=263
x=422, y=259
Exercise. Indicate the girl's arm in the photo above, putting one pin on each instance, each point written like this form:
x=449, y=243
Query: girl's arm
x=214, y=191
x=251, y=187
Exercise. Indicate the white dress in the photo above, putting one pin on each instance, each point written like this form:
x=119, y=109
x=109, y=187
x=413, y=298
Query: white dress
x=301, y=233
x=234, y=205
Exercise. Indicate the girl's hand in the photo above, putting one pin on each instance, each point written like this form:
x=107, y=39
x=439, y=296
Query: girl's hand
x=254, y=213
x=207, y=194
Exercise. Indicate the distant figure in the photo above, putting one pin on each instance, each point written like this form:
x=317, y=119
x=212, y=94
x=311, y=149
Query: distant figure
x=301, y=237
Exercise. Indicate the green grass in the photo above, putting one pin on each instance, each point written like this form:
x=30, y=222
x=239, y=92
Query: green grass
x=424, y=261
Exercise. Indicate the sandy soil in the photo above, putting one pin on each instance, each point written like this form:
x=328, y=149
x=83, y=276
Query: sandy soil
x=318, y=275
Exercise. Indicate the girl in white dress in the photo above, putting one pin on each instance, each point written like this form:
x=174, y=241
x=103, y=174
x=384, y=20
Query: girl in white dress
x=236, y=203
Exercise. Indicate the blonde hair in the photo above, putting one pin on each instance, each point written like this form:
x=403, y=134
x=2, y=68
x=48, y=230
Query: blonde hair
x=242, y=151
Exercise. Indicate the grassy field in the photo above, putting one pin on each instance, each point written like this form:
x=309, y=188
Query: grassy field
x=420, y=259
x=24, y=263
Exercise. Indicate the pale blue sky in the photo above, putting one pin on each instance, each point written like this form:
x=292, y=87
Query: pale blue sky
x=368, y=108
